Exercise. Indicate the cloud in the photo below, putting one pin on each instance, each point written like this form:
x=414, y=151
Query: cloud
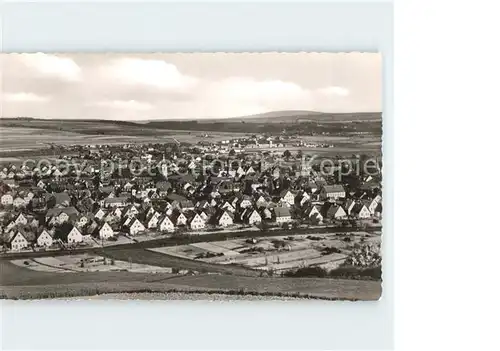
x=155, y=73
x=244, y=88
x=149, y=86
x=334, y=90
x=236, y=96
x=126, y=105
x=24, y=97
x=53, y=66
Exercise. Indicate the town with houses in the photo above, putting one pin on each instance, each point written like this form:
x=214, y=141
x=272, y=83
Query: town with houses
x=91, y=195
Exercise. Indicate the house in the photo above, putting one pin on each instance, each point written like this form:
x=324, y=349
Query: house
x=34, y=223
x=18, y=241
x=187, y=205
x=62, y=214
x=314, y=214
x=288, y=197
x=224, y=218
x=332, y=192
x=152, y=222
x=246, y=202
x=19, y=202
x=196, y=222
x=302, y=197
x=44, y=239
x=136, y=227
x=312, y=211
x=7, y=199
x=166, y=224
x=131, y=211
x=105, y=231
x=82, y=221
x=21, y=219
x=179, y=218
x=336, y=212
x=250, y=170
x=227, y=206
x=127, y=221
x=62, y=199
x=9, y=226
x=75, y=236
x=252, y=217
x=266, y=213
x=99, y=214
x=117, y=212
x=203, y=215
x=261, y=202
x=360, y=211
x=282, y=214
x=114, y=202
x=62, y=217
x=202, y=204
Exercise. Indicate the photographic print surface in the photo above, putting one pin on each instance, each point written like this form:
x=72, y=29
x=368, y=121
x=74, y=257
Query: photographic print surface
x=219, y=176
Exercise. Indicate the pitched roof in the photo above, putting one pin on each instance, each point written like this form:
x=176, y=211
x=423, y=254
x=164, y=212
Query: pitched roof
x=51, y=234
x=336, y=188
x=284, y=192
x=57, y=211
x=61, y=197
x=176, y=197
x=282, y=212
x=115, y=200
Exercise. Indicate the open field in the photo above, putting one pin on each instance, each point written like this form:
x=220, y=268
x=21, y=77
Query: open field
x=272, y=253
x=20, y=276
x=164, y=260
x=20, y=134
x=21, y=138
x=49, y=281
x=35, y=138
x=19, y=282
x=91, y=263
x=189, y=239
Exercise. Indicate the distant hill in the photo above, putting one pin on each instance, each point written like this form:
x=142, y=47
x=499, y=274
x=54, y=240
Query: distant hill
x=270, y=122
x=307, y=116
x=292, y=113
x=292, y=116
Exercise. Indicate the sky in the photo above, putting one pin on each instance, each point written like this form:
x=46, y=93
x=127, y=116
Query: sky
x=187, y=86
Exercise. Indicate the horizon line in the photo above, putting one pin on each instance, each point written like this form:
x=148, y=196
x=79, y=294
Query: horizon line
x=255, y=116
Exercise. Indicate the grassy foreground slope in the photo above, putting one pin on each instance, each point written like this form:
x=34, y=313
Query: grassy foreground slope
x=20, y=282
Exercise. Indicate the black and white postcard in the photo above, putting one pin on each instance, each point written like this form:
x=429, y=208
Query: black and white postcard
x=200, y=176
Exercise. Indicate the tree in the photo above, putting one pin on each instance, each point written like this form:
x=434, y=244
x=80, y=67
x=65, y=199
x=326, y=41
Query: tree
x=62, y=231
x=232, y=152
